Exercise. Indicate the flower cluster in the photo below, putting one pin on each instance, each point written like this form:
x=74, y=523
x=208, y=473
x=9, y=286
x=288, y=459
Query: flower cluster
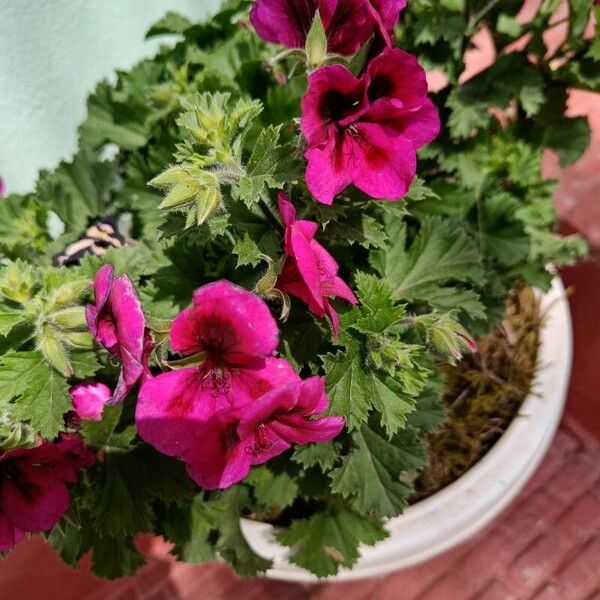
x=240, y=406
x=362, y=130
x=366, y=131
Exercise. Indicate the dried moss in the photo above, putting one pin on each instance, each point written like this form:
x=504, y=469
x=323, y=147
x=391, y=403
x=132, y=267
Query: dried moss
x=483, y=394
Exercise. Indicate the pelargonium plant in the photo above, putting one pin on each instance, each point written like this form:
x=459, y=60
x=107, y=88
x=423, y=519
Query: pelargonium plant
x=235, y=300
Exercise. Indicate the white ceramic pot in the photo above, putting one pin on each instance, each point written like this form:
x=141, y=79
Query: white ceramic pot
x=462, y=509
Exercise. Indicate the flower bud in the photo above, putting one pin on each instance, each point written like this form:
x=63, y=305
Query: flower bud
x=79, y=339
x=54, y=350
x=69, y=318
x=68, y=293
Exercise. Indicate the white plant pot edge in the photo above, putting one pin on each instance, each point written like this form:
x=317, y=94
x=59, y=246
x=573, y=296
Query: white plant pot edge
x=460, y=510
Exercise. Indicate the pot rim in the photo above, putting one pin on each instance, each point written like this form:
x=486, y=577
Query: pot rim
x=463, y=508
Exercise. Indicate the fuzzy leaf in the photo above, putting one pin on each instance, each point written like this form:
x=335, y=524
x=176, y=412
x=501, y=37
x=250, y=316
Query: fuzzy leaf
x=569, y=138
x=248, y=252
x=355, y=390
x=269, y=166
x=310, y=455
x=272, y=490
x=329, y=540
x=10, y=319
x=40, y=395
x=377, y=473
x=440, y=253
x=232, y=544
x=77, y=191
x=128, y=483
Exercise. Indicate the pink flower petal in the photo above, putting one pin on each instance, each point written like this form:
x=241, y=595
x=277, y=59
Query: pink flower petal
x=396, y=81
x=298, y=430
x=232, y=325
x=130, y=321
x=35, y=499
x=287, y=22
x=420, y=126
x=171, y=406
x=331, y=168
x=348, y=23
x=10, y=535
x=184, y=333
x=218, y=458
x=89, y=400
x=117, y=322
x=386, y=162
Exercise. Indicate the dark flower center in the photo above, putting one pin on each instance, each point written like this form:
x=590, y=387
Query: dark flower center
x=335, y=106
x=29, y=491
x=381, y=87
x=230, y=437
x=217, y=338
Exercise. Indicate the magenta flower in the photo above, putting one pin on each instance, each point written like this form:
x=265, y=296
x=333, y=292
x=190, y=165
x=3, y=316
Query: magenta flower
x=2, y=187
x=240, y=405
x=237, y=335
x=348, y=23
x=232, y=441
x=366, y=131
x=89, y=400
x=117, y=322
x=33, y=491
x=310, y=272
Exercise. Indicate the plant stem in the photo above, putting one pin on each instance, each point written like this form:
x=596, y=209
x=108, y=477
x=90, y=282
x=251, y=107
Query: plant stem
x=479, y=16
x=265, y=206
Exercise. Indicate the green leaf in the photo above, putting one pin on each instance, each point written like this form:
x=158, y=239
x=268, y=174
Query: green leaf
x=508, y=24
x=10, y=319
x=579, y=16
x=430, y=412
x=232, y=544
x=189, y=527
x=40, y=395
x=439, y=254
x=310, y=455
x=329, y=540
x=272, y=490
x=355, y=390
x=270, y=165
x=467, y=114
x=248, y=252
x=115, y=557
x=503, y=236
x=98, y=433
x=570, y=138
x=77, y=191
x=171, y=23
x=377, y=305
x=122, y=114
x=377, y=474
x=129, y=482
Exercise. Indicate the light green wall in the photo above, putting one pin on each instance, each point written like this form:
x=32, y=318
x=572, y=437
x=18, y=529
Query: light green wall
x=52, y=53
